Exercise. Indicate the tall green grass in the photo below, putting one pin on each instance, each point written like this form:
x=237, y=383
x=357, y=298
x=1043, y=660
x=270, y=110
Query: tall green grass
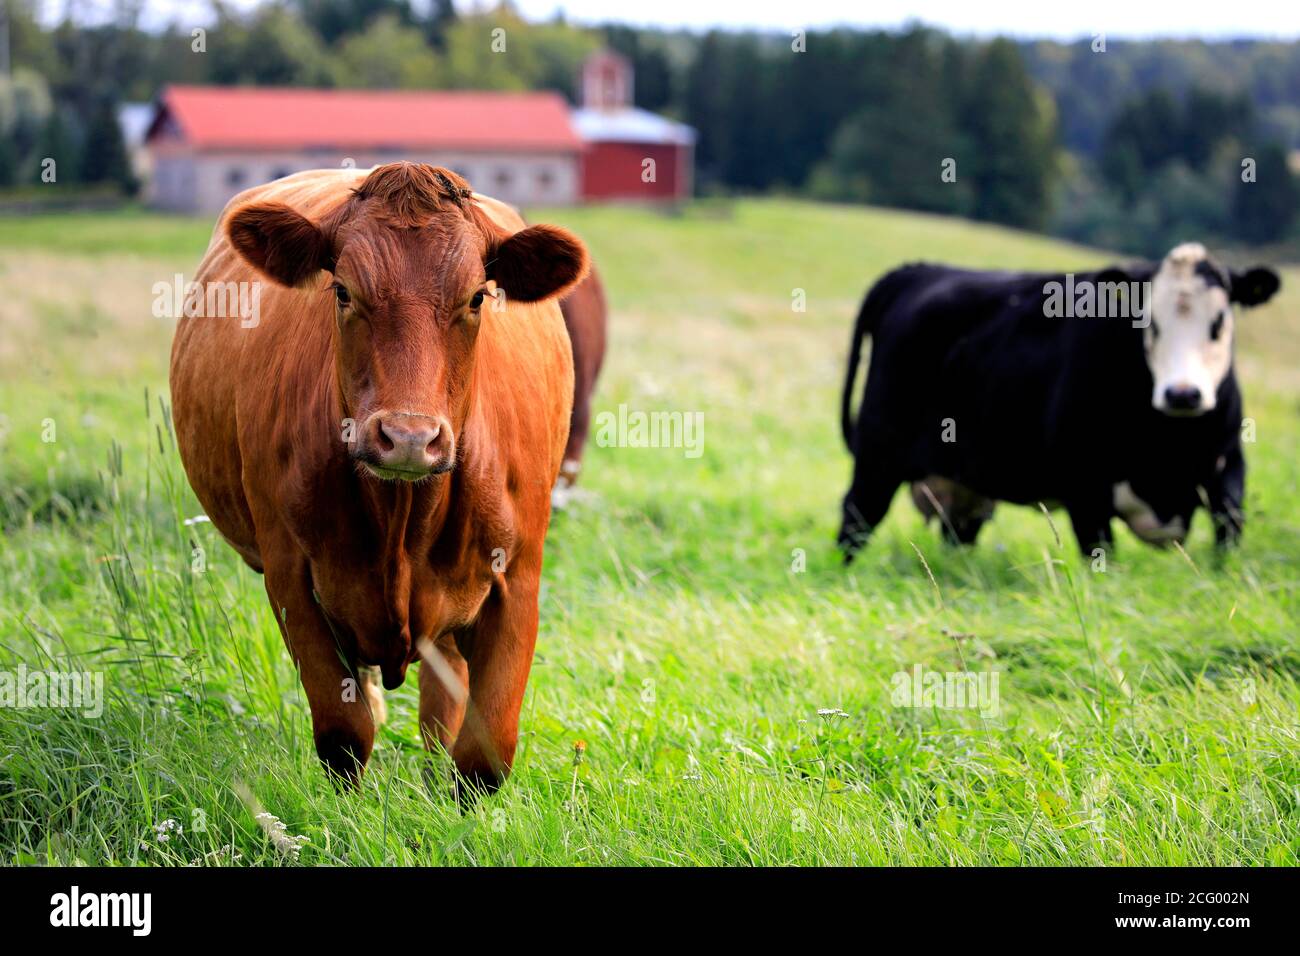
x=730, y=679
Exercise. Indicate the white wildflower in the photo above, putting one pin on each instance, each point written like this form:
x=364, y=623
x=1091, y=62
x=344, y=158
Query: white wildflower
x=163, y=831
x=284, y=841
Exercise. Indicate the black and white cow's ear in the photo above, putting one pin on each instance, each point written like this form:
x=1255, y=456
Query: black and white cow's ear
x=1254, y=286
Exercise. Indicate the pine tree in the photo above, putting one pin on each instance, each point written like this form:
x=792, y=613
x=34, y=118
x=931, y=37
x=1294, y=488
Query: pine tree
x=8, y=162
x=57, y=144
x=105, y=158
x=1011, y=130
x=896, y=151
x=1266, y=209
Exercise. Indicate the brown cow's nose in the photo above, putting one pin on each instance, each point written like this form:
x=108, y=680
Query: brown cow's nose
x=412, y=446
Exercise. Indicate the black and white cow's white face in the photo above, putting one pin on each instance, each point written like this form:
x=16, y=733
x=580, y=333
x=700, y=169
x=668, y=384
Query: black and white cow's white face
x=1189, y=328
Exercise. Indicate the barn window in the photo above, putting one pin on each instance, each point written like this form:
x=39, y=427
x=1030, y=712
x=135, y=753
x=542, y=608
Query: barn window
x=281, y=172
x=503, y=178
x=234, y=176
x=545, y=179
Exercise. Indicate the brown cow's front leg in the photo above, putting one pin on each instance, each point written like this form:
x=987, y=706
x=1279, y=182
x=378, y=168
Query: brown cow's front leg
x=340, y=713
x=501, y=656
x=444, y=677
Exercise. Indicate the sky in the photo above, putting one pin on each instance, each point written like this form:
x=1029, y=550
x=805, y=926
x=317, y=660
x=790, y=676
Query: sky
x=1026, y=18
x=1214, y=19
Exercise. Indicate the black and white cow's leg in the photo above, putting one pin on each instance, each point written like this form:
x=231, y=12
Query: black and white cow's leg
x=867, y=500
x=961, y=511
x=1226, y=492
x=963, y=529
x=1090, y=518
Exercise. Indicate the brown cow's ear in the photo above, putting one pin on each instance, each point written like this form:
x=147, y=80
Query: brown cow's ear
x=278, y=241
x=537, y=263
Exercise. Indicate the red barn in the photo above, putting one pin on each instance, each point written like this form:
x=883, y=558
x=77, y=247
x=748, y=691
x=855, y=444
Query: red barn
x=628, y=153
x=209, y=143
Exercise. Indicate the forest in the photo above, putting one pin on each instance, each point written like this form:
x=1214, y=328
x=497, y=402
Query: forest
x=1123, y=144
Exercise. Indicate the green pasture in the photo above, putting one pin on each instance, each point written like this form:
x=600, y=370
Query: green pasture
x=732, y=682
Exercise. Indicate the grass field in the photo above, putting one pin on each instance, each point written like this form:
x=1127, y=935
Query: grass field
x=731, y=680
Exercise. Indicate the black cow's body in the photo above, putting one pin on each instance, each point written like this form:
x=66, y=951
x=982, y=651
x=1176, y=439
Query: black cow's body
x=1037, y=409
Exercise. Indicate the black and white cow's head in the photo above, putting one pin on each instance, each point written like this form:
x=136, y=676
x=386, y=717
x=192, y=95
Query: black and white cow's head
x=1189, y=326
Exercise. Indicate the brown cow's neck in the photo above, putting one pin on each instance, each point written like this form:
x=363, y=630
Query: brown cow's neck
x=408, y=516
x=407, y=519
x=408, y=525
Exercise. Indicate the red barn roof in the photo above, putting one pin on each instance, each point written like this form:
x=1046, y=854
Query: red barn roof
x=213, y=117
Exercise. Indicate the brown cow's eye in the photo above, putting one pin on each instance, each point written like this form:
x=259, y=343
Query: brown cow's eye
x=477, y=300
x=1216, y=328
x=341, y=296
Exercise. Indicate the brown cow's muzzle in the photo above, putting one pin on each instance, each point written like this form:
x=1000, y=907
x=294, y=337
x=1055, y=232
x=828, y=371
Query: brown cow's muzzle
x=406, y=446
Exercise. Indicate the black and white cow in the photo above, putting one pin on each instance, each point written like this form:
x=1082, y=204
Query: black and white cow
x=1111, y=394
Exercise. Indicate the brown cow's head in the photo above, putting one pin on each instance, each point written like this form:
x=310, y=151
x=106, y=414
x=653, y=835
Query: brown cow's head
x=413, y=260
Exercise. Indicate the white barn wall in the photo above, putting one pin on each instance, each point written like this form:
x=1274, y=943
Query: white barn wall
x=185, y=181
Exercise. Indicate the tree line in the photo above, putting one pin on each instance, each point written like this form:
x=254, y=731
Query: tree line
x=1124, y=144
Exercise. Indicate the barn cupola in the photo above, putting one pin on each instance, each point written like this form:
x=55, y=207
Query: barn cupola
x=606, y=81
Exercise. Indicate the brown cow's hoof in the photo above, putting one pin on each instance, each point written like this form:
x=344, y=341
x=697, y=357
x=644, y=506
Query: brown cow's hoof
x=344, y=757
x=474, y=783
x=561, y=494
x=434, y=775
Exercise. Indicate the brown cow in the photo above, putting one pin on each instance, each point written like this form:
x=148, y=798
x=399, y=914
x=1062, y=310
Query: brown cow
x=383, y=441
x=585, y=316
